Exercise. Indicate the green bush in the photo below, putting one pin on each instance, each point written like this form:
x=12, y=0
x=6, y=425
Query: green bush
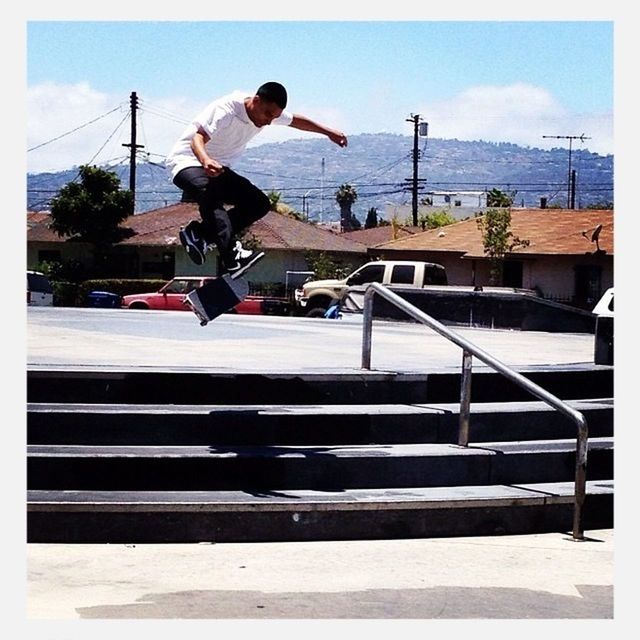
x=121, y=287
x=64, y=293
x=70, y=294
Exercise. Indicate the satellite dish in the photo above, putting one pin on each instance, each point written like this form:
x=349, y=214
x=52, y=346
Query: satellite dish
x=595, y=235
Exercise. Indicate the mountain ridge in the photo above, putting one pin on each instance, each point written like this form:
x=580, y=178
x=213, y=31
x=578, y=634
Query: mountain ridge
x=307, y=172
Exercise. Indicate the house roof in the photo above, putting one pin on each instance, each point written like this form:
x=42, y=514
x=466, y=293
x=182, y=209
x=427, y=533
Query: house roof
x=549, y=231
x=378, y=235
x=36, y=217
x=274, y=231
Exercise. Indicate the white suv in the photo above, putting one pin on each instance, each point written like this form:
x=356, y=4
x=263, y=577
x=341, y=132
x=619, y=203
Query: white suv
x=39, y=290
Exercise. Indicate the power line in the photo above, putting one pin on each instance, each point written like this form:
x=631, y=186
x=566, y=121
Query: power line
x=161, y=112
x=109, y=138
x=73, y=130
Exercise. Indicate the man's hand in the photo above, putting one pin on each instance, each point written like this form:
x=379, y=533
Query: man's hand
x=338, y=137
x=212, y=167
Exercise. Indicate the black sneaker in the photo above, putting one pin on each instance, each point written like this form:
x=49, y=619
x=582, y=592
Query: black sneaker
x=240, y=259
x=193, y=244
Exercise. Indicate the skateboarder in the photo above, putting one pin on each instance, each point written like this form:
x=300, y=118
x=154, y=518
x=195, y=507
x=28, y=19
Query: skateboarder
x=200, y=164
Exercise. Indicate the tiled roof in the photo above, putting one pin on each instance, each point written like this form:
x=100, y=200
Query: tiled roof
x=549, y=231
x=274, y=231
x=36, y=217
x=378, y=235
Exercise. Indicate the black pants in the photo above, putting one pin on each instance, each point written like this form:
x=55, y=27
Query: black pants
x=219, y=226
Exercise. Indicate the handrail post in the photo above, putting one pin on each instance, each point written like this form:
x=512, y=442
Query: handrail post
x=581, y=478
x=470, y=349
x=367, y=318
x=465, y=399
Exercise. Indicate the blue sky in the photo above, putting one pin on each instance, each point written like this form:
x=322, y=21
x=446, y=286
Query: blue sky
x=512, y=80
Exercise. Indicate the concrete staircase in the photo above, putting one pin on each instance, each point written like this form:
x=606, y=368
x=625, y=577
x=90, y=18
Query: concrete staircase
x=132, y=455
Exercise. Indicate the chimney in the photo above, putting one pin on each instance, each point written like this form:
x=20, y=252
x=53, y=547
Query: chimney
x=543, y=203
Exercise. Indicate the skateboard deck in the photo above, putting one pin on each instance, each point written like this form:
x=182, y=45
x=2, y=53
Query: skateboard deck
x=219, y=296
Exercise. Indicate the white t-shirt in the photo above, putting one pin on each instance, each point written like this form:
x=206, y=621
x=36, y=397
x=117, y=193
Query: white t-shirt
x=229, y=128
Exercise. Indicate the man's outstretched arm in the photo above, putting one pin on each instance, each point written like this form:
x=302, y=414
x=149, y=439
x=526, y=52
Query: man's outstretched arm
x=305, y=124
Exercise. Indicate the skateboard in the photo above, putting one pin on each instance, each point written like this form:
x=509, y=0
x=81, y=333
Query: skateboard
x=220, y=295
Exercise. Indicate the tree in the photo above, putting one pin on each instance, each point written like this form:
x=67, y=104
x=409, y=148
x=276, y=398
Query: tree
x=92, y=210
x=324, y=266
x=282, y=208
x=372, y=218
x=498, y=240
x=346, y=195
x=497, y=198
x=436, y=219
x=606, y=204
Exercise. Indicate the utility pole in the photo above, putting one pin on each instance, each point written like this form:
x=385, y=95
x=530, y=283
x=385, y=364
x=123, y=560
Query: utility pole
x=322, y=192
x=571, y=179
x=133, y=146
x=419, y=129
x=414, y=186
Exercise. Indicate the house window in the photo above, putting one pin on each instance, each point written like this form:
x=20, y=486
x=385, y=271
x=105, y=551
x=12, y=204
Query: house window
x=457, y=203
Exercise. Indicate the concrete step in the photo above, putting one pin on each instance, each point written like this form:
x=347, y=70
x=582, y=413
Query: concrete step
x=123, y=385
x=320, y=424
x=325, y=468
x=298, y=515
x=126, y=454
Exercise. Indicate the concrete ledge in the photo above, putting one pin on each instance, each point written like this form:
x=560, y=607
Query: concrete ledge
x=328, y=468
x=294, y=516
x=309, y=500
x=131, y=385
x=336, y=424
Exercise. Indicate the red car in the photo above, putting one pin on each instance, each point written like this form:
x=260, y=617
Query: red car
x=171, y=298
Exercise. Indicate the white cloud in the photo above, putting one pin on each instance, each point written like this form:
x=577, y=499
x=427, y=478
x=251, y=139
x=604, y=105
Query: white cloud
x=56, y=137
x=70, y=125
x=69, y=122
x=519, y=113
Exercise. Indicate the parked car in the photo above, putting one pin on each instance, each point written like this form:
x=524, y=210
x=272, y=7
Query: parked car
x=39, y=290
x=171, y=297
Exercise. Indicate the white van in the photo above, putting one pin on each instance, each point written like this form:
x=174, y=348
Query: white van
x=39, y=290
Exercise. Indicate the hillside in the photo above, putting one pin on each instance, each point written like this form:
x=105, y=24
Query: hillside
x=307, y=172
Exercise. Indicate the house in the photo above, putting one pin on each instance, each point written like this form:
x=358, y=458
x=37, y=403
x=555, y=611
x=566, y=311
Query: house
x=458, y=204
x=569, y=257
x=452, y=199
x=154, y=251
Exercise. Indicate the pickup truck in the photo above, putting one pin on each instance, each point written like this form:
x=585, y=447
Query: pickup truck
x=315, y=297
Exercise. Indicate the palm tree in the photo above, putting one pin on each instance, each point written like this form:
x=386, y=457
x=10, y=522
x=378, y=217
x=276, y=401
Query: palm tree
x=346, y=195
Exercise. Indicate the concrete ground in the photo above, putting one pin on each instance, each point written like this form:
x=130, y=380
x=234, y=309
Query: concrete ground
x=510, y=578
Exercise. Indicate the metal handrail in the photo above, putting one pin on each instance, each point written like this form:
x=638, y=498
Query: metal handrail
x=470, y=349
